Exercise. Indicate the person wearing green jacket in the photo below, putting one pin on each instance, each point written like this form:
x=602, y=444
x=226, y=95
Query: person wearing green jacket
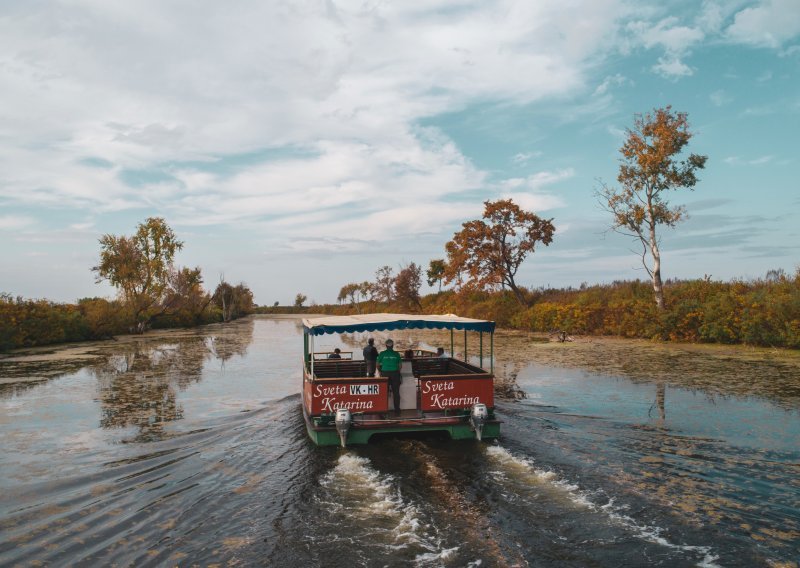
x=389, y=363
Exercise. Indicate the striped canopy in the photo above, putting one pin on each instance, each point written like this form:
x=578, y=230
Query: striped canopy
x=388, y=322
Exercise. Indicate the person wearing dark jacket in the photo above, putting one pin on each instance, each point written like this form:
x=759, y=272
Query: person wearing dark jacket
x=370, y=356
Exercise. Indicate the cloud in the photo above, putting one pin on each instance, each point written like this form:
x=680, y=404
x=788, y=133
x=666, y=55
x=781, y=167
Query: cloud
x=618, y=133
x=772, y=251
x=711, y=17
x=610, y=81
x=705, y=204
x=57, y=236
x=720, y=98
x=672, y=67
x=15, y=223
x=667, y=33
x=527, y=192
x=343, y=183
x=86, y=226
x=676, y=40
x=764, y=77
x=769, y=24
x=327, y=245
x=737, y=161
x=119, y=108
x=523, y=158
x=538, y=180
x=536, y=203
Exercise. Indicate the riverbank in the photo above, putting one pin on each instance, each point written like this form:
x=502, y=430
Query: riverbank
x=687, y=365
x=758, y=312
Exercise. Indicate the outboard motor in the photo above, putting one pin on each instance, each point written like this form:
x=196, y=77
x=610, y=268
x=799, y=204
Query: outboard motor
x=343, y=421
x=478, y=417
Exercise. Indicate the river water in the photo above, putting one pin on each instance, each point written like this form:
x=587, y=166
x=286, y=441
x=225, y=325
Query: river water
x=189, y=448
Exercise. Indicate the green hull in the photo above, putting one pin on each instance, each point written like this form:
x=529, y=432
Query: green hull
x=358, y=436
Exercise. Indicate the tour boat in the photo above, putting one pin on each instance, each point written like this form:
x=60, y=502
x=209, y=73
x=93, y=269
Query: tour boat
x=342, y=405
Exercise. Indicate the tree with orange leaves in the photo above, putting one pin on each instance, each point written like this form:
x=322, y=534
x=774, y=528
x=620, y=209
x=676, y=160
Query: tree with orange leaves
x=649, y=168
x=487, y=254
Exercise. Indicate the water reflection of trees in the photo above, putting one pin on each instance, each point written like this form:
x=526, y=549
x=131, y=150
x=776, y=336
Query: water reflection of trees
x=17, y=376
x=660, y=402
x=224, y=346
x=139, y=383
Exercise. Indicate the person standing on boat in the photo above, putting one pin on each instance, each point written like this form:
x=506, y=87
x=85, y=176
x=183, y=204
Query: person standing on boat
x=389, y=362
x=337, y=354
x=370, y=356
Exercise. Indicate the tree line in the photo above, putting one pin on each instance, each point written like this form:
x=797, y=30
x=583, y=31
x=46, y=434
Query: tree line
x=152, y=293
x=761, y=312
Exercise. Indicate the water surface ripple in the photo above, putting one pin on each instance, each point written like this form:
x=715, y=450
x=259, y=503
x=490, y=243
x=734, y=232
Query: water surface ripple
x=189, y=447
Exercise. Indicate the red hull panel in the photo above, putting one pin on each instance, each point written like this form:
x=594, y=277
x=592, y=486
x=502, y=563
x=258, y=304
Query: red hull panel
x=445, y=393
x=369, y=396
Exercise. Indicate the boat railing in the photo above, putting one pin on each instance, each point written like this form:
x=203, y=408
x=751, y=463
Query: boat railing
x=422, y=367
x=325, y=355
x=444, y=366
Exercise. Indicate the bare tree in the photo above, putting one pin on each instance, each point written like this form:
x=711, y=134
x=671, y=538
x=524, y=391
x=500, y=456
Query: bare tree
x=384, y=284
x=649, y=168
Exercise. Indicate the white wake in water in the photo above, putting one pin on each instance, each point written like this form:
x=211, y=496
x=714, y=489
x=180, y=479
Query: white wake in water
x=372, y=511
x=523, y=471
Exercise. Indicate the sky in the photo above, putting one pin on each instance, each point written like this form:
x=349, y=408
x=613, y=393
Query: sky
x=300, y=145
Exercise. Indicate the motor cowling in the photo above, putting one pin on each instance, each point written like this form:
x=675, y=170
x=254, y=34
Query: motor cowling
x=477, y=418
x=343, y=421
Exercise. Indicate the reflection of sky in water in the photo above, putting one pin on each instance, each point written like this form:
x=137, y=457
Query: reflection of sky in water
x=145, y=390
x=270, y=369
x=742, y=421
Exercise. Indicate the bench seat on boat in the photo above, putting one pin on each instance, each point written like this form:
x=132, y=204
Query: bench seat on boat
x=339, y=368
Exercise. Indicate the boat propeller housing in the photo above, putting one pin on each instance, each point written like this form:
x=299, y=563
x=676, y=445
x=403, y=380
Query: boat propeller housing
x=343, y=420
x=478, y=417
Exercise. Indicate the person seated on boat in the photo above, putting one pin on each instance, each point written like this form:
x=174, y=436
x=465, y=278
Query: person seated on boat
x=337, y=354
x=408, y=355
x=370, y=356
x=440, y=352
x=389, y=364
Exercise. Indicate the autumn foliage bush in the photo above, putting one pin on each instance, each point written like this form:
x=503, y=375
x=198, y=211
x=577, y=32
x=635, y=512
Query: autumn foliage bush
x=764, y=312
x=30, y=322
x=758, y=312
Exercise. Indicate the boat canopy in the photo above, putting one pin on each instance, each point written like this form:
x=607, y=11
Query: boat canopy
x=388, y=322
